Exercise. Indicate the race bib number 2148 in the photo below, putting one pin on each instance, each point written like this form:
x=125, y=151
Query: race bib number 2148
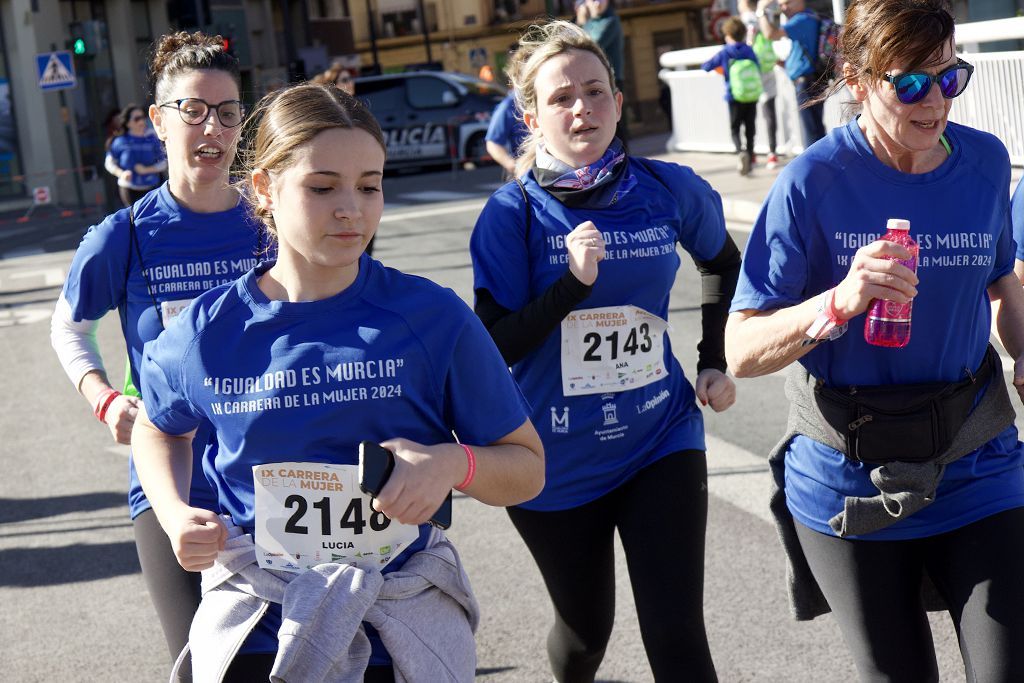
x=314, y=513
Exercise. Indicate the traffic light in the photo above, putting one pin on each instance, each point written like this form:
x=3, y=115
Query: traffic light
x=87, y=37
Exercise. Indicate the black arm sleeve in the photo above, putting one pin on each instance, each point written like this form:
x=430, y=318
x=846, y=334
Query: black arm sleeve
x=516, y=333
x=717, y=285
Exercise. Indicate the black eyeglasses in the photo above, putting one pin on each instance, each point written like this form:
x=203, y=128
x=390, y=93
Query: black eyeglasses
x=137, y=118
x=195, y=111
x=913, y=86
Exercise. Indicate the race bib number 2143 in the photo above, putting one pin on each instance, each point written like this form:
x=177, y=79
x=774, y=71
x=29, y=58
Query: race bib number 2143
x=611, y=349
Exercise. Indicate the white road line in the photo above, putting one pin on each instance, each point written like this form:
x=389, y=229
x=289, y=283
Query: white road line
x=738, y=477
x=120, y=449
x=52, y=277
x=395, y=216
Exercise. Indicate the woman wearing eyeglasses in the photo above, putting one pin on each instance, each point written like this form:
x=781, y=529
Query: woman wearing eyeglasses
x=135, y=156
x=900, y=484
x=148, y=262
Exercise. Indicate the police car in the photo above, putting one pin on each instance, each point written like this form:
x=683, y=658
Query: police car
x=431, y=117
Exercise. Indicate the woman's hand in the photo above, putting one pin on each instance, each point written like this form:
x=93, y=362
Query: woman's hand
x=196, y=536
x=585, y=245
x=120, y=417
x=422, y=478
x=874, y=274
x=716, y=388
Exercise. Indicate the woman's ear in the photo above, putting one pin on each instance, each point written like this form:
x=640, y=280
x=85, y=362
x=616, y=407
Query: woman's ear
x=156, y=116
x=530, y=119
x=856, y=84
x=262, y=186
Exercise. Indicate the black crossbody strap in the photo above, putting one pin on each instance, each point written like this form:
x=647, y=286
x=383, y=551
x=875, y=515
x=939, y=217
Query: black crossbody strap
x=529, y=210
x=142, y=266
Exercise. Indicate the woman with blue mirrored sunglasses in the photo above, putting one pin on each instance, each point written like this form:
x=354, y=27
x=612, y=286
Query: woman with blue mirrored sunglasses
x=913, y=86
x=864, y=540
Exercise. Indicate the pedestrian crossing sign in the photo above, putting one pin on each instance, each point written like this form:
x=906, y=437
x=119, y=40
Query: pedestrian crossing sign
x=56, y=70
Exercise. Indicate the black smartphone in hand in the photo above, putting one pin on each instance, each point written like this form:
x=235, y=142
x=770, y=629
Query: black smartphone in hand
x=375, y=466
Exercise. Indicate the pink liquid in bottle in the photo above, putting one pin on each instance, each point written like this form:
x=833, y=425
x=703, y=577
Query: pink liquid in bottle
x=888, y=322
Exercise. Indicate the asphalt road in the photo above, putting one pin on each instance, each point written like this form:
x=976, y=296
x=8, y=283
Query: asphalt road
x=74, y=603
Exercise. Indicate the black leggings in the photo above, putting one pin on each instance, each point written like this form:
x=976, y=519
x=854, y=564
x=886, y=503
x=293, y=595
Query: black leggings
x=661, y=515
x=872, y=587
x=257, y=667
x=175, y=592
x=743, y=114
x=768, y=112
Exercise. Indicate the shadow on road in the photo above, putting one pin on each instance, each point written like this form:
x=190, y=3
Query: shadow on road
x=13, y=510
x=32, y=567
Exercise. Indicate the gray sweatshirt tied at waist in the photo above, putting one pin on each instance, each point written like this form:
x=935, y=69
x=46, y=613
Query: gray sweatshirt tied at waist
x=904, y=488
x=425, y=613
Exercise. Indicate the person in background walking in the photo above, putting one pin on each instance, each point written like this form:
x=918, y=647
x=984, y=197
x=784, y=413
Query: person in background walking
x=148, y=261
x=135, y=155
x=578, y=309
x=899, y=485
x=338, y=75
x=506, y=131
x=767, y=59
x=602, y=24
x=742, y=72
x=801, y=27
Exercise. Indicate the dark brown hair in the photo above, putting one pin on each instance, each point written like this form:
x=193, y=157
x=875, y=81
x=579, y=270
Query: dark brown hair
x=289, y=118
x=181, y=52
x=735, y=29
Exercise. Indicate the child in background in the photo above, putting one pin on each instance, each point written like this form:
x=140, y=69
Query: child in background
x=738, y=64
x=767, y=58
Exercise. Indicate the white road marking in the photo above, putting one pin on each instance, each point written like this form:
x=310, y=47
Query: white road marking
x=739, y=477
x=396, y=216
x=52, y=277
x=24, y=316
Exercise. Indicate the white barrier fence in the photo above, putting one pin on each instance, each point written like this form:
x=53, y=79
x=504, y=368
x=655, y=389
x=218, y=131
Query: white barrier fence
x=994, y=101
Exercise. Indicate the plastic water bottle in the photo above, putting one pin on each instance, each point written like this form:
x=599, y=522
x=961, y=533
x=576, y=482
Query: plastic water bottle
x=888, y=322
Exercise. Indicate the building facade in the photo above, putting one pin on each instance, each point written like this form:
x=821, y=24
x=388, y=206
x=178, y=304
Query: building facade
x=56, y=138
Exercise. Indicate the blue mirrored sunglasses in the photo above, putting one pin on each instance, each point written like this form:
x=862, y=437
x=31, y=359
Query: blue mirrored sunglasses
x=913, y=86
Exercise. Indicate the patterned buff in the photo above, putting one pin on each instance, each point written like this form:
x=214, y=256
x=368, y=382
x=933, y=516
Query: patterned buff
x=594, y=184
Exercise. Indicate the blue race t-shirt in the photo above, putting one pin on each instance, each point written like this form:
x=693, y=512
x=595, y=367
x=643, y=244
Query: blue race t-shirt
x=802, y=29
x=129, y=150
x=184, y=253
x=507, y=127
x=393, y=355
x=724, y=59
x=1017, y=218
x=836, y=198
x=593, y=443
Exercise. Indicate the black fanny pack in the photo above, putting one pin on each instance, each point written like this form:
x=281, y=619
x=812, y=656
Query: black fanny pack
x=904, y=422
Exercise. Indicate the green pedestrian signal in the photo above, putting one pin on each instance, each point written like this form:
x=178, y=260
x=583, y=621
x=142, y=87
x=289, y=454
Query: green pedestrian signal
x=79, y=46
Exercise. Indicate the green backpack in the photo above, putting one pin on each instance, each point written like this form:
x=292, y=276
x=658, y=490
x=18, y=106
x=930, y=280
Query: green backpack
x=765, y=52
x=744, y=80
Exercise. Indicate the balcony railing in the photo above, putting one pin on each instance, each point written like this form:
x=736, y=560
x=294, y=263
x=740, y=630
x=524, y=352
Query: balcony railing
x=994, y=102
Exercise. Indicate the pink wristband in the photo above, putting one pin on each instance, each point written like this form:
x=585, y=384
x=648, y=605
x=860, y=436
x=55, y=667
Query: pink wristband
x=471, y=467
x=103, y=402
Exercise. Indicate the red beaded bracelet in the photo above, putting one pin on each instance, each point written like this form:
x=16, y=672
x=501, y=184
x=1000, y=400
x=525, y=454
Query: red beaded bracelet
x=103, y=402
x=471, y=469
